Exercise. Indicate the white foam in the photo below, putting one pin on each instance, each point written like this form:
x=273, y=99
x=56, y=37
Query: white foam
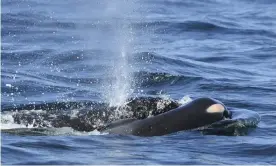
x=121, y=111
x=185, y=100
x=7, y=122
x=74, y=113
x=71, y=131
x=162, y=104
x=9, y=85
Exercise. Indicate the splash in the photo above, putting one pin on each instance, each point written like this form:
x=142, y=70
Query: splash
x=119, y=88
x=7, y=122
x=185, y=100
x=8, y=125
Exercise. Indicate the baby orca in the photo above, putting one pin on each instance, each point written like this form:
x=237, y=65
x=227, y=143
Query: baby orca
x=197, y=113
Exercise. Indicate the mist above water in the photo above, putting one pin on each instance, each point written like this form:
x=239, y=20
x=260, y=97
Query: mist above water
x=121, y=86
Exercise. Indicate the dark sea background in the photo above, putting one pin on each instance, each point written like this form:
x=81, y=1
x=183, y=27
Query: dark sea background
x=110, y=50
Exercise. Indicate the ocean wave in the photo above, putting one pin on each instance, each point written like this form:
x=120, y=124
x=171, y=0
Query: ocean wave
x=146, y=79
x=20, y=23
x=178, y=27
x=242, y=122
x=23, y=57
x=231, y=86
x=174, y=27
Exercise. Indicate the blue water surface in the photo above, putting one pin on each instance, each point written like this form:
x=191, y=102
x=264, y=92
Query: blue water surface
x=75, y=50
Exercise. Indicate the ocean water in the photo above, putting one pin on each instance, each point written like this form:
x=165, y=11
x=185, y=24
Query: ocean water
x=59, y=54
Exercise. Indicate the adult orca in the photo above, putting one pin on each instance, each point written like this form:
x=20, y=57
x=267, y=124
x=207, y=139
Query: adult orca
x=197, y=113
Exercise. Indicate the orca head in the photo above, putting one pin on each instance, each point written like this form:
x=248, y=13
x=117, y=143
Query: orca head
x=212, y=108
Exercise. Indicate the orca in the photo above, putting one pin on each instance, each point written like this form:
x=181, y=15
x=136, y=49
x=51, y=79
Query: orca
x=197, y=113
